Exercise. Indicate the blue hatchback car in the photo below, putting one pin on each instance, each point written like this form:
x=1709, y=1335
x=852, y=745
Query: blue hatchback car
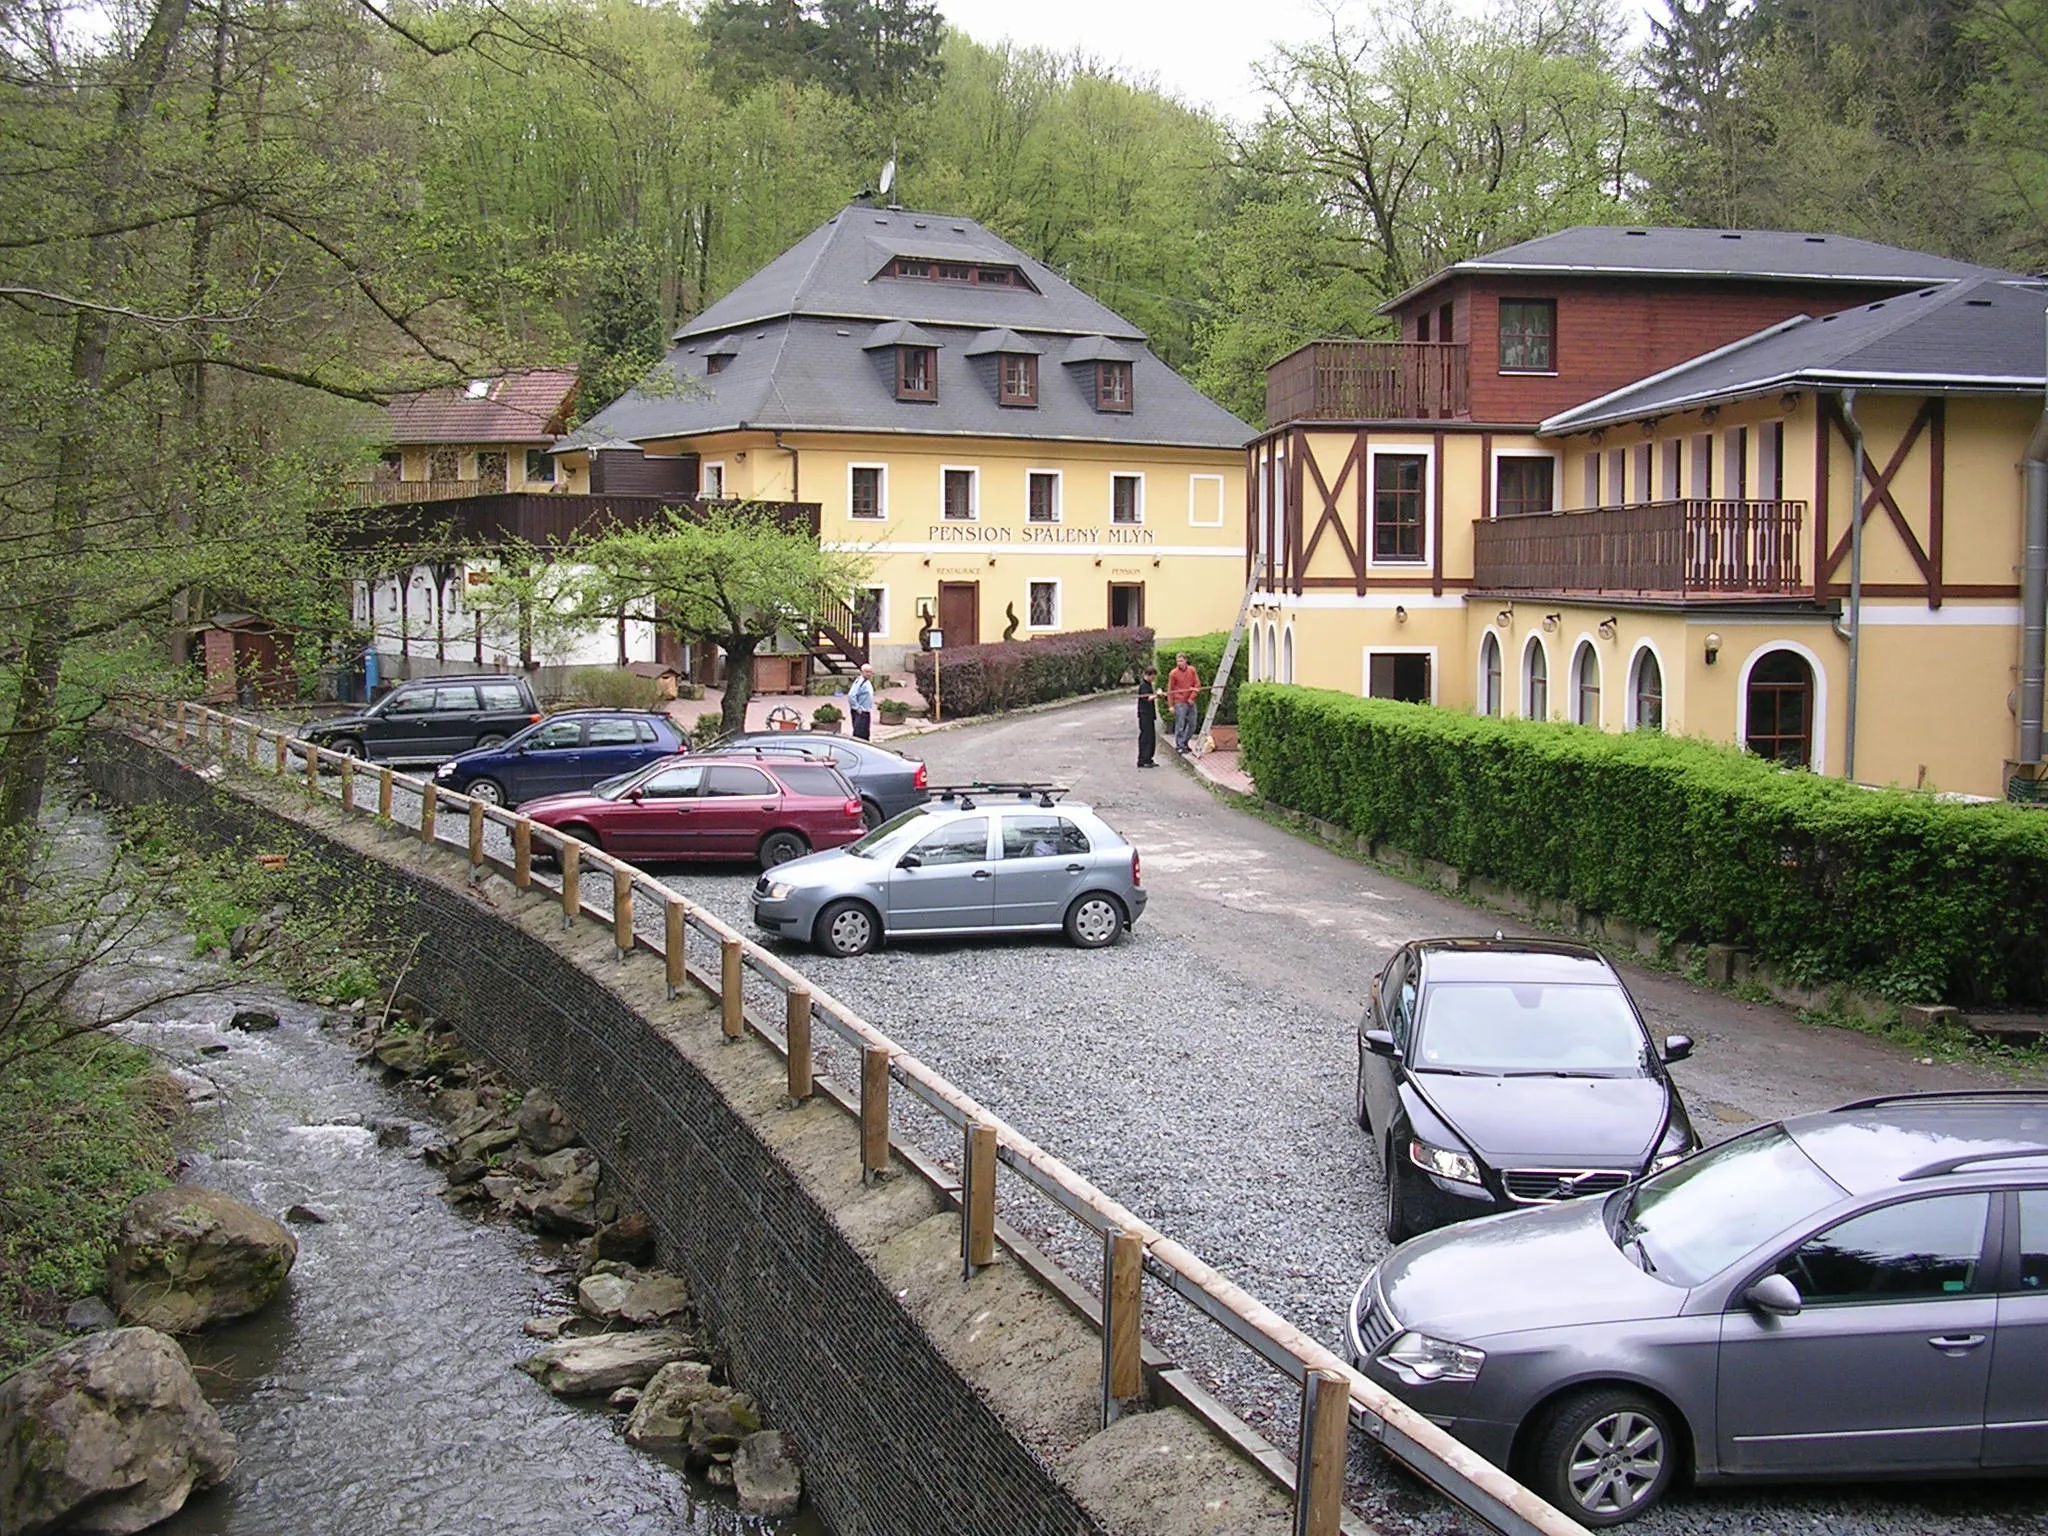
x=562, y=754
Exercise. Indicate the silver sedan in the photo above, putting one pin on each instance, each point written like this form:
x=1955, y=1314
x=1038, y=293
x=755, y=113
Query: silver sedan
x=966, y=864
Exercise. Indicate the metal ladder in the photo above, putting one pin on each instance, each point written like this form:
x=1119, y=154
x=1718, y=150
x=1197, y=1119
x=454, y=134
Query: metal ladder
x=1222, y=678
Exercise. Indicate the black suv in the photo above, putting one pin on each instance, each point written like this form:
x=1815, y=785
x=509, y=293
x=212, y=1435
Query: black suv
x=432, y=718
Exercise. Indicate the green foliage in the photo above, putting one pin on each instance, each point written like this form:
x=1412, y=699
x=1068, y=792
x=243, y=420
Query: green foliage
x=826, y=714
x=623, y=331
x=1206, y=654
x=84, y=1129
x=867, y=50
x=980, y=679
x=614, y=688
x=1918, y=897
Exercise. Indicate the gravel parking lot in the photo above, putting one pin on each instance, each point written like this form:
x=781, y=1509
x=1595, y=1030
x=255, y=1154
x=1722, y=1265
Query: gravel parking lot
x=1201, y=1073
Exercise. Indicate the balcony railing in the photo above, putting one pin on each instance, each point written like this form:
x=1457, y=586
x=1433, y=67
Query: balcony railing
x=384, y=491
x=1658, y=548
x=1369, y=381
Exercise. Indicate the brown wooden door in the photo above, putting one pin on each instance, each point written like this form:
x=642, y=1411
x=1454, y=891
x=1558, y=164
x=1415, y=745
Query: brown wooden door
x=1126, y=604
x=960, y=613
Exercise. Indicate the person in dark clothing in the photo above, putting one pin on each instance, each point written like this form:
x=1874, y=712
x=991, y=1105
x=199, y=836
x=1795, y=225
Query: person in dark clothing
x=1148, y=716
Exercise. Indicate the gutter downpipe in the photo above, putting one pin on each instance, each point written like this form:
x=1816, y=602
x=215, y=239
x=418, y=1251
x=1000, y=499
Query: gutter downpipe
x=1848, y=403
x=796, y=468
x=2034, y=592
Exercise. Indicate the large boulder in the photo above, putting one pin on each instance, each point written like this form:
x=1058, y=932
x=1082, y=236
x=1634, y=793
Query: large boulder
x=661, y=1419
x=717, y=1426
x=598, y=1366
x=187, y=1256
x=630, y=1238
x=569, y=1209
x=654, y=1297
x=542, y=1125
x=105, y=1436
x=765, y=1476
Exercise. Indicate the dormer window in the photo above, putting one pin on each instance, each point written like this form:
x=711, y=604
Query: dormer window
x=986, y=273
x=1112, y=386
x=917, y=373
x=1019, y=379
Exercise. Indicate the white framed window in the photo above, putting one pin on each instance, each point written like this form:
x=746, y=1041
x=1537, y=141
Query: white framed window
x=1489, y=674
x=1589, y=495
x=1127, y=500
x=1403, y=672
x=1585, y=700
x=1399, y=488
x=959, y=493
x=1646, y=689
x=1043, y=494
x=1535, y=680
x=1043, y=600
x=1205, y=501
x=1525, y=481
x=1672, y=455
x=1617, y=478
x=1702, y=468
x=711, y=481
x=867, y=492
x=872, y=603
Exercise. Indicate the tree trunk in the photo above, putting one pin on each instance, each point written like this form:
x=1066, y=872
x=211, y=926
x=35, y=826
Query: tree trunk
x=739, y=682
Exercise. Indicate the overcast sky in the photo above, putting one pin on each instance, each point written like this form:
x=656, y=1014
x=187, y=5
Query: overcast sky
x=1201, y=50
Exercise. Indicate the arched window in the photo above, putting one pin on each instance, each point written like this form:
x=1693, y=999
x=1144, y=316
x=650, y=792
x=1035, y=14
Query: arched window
x=1646, y=692
x=1489, y=675
x=1536, y=681
x=1287, y=655
x=1586, y=685
x=1257, y=666
x=1780, y=709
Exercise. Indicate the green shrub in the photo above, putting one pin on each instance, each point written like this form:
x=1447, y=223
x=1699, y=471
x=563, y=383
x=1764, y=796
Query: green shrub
x=615, y=688
x=826, y=714
x=1008, y=674
x=1206, y=652
x=1917, y=897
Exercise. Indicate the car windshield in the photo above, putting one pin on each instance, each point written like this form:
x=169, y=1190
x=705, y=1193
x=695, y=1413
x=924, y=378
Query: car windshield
x=887, y=834
x=1532, y=1028
x=1689, y=1223
x=615, y=787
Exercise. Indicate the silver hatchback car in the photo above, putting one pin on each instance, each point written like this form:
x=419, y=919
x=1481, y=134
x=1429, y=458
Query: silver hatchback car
x=998, y=858
x=1861, y=1293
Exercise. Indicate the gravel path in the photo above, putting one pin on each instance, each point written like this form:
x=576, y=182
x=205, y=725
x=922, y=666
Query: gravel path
x=1200, y=1072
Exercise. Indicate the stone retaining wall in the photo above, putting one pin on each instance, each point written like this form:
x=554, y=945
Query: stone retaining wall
x=918, y=1402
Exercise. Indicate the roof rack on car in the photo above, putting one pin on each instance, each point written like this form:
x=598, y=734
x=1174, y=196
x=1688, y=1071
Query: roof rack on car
x=1995, y=1095
x=764, y=749
x=1045, y=795
x=1949, y=1165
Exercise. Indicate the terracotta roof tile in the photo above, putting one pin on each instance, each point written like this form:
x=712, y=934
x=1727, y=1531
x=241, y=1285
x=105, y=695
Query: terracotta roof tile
x=527, y=407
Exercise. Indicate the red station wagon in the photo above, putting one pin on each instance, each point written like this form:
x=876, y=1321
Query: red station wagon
x=771, y=810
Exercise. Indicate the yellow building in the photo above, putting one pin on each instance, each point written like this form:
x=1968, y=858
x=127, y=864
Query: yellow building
x=1677, y=552
x=1010, y=456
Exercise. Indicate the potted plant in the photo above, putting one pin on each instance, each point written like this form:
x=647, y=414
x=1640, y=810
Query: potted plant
x=894, y=711
x=826, y=717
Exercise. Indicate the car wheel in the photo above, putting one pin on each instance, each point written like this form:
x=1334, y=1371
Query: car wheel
x=780, y=847
x=1094, y=920
x=1400, y=1225
x=490, y=791
x=576, y=832
x=347, y=746
x=485, y=743
x=1361, y=1109
x=846, y=929
x=871, y=815
x=1604, y=1457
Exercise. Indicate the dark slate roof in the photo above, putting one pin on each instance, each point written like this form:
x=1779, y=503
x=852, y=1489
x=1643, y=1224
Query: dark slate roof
x=520, y=407
x=831, y=271
x=798, y=335
x=1980, y=336
x=1597, y=250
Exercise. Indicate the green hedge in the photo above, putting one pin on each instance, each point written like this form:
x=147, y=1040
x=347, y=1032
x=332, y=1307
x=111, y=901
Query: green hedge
x=1206, y=652
x=1917, y=897
x=1008, y=674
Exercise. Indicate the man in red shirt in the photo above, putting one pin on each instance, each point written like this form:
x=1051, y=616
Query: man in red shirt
x=1183, y=686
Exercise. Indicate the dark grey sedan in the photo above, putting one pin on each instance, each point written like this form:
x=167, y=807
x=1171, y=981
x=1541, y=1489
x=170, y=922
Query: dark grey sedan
x=973, y=862
x=1856, y=1294
x=888, y=783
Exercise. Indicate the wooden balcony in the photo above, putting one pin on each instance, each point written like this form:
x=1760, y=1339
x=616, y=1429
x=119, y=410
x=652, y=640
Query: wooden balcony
x=537, y=518
x=1653, y=549
x=1369, y=381
x=385, y=491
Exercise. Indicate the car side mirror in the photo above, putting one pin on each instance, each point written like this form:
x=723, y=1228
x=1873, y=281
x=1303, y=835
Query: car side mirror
x=1381, y=1043
x=636, y=795
x=910, y=861
x=1677, y=1047
x=1776, y=1295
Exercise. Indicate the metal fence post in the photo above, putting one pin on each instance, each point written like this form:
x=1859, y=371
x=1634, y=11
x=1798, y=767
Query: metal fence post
x=1325, y=1443
x=1122, y=1300
x=430, y=811
x=978, y=1199
x=732, y=997
x=572, y=881
x=384, y=793
x=522, y=854
x=674, y=952
x=797, y=1027
x=874, y=1111
x=622, y=911
x=476, y=838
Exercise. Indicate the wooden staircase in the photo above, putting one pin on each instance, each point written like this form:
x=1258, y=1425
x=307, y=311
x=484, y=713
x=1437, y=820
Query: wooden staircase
x=839, y=641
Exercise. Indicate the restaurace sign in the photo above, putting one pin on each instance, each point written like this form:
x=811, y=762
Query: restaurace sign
x=1048, y=533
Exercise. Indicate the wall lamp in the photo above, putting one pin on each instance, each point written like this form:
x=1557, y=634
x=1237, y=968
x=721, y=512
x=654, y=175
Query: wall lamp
x=1607, y=625
x=1550, y=623
x=1400, y=613
x=1710, y=414
x=1505, y=617
x=927, y=559
x=1155, y=559
x=991, y=559
x=1098, y=559
x=1713, y=650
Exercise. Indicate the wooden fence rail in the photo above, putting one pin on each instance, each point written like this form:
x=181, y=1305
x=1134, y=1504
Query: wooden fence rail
x=1332, y=1392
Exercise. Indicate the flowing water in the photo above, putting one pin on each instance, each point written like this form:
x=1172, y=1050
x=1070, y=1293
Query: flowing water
x=378, y=1394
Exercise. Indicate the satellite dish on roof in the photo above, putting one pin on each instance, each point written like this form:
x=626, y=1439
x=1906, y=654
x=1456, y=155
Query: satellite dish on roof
x=888, y=177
